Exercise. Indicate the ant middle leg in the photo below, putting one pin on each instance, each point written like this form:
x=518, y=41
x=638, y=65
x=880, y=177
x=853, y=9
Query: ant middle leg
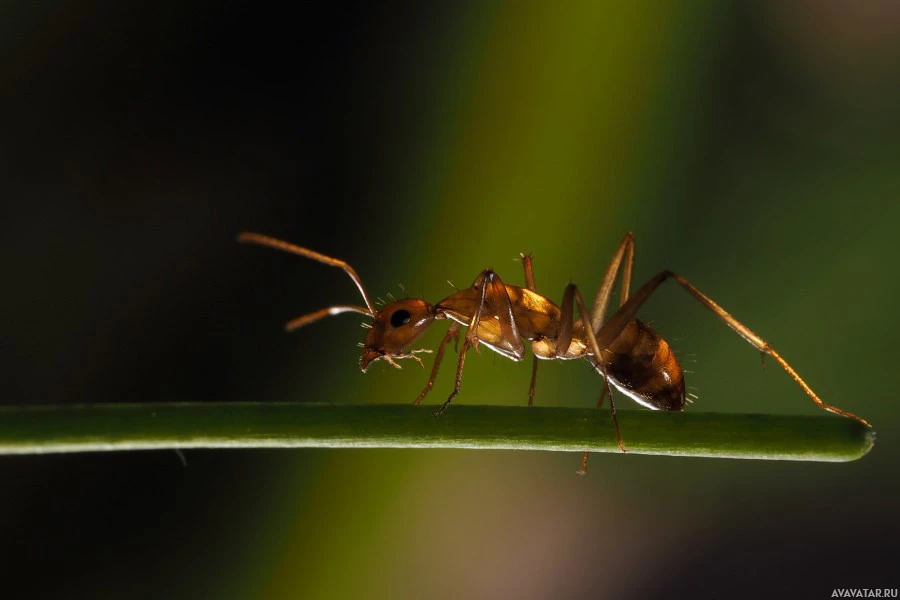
x=598, y=364
x=603, y=393
x=573, y=297
x=529, y=283
x=625, y=252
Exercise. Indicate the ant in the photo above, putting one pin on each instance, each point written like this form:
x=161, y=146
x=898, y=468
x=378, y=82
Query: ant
x=626, y=352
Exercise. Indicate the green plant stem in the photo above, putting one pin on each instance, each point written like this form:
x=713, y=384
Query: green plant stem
x=102, y=427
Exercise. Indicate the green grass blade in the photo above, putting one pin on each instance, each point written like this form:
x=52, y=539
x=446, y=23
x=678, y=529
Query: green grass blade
x=102, y=427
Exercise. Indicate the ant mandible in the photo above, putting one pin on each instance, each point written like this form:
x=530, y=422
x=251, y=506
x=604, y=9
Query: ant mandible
x=626, y=352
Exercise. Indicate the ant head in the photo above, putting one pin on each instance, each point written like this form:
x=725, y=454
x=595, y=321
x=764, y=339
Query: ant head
x=396, y=327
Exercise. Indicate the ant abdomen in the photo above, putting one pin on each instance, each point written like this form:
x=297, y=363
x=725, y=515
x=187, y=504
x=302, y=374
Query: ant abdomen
x=642, y=365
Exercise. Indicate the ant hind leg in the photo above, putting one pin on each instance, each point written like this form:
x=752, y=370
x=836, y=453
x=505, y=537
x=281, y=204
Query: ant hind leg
x=614, y=326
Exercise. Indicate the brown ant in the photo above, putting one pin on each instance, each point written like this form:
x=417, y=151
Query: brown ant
x=626, y=352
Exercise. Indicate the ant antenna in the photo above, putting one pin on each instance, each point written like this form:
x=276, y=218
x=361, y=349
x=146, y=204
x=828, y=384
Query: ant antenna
x=248, y=237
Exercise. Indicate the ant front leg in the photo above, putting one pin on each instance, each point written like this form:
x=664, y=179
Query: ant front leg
x=468, y=341
x=494, y=302
x=452, y=333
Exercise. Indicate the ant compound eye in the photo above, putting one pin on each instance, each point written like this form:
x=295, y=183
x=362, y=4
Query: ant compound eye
x=400, y=317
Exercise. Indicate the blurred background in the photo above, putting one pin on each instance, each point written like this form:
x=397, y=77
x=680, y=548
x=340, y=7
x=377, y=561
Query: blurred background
x=753, y=148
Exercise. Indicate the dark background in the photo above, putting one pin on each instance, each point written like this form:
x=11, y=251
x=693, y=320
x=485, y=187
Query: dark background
x=753, y=149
